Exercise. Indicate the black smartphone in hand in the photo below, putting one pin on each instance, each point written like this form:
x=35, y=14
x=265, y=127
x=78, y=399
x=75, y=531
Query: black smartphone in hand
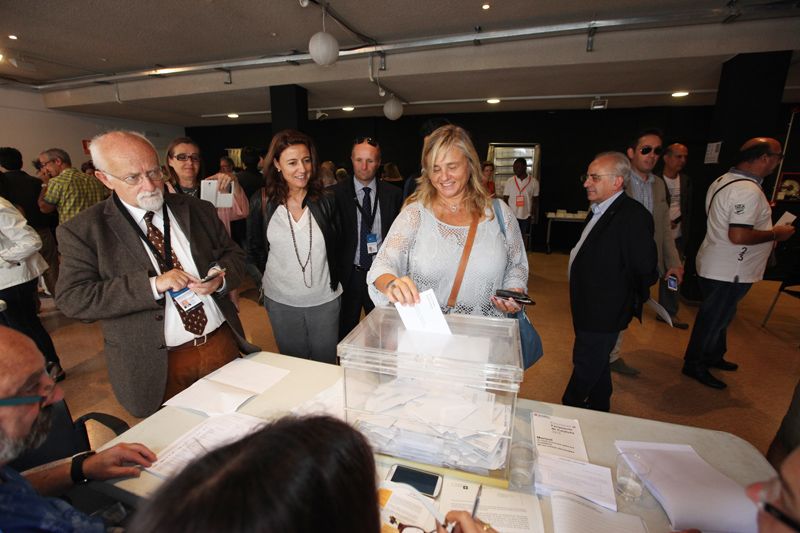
x=519, y=297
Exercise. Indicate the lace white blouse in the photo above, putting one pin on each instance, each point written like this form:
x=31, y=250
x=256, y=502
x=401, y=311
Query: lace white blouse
x=427, y=250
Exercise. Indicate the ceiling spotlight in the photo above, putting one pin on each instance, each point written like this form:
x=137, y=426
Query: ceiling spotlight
x=348, y=108
x=680, y=94
x=233, y=115
x=493, y=101
x=1, y=57
x=598, y=103
x=323, y=47
x=485, y=7
x=13, y=37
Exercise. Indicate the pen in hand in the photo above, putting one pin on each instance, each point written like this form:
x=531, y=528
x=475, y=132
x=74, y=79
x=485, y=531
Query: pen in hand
x=477, y=500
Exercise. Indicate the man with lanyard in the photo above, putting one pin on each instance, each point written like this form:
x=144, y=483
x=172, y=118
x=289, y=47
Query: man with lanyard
x=155, y=269
x=519, y=193
x=367, y=207
x=739, y=239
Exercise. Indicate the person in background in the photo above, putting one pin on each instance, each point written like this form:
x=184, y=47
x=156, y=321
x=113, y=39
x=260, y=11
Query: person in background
x=292, y=234
x=487, y=177
x=341, y=175
x=425, y=244
x=28, y=502
x=226, y=165
x=519, y=192
x=20, y=268
x=88, y=168
x=327, y=173
x=66, y=189
x=391, y=174
x=23, y=190
x=367, y=207
x=250, y=179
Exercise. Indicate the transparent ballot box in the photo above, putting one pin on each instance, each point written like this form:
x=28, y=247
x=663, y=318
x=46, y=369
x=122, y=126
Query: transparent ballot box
x=445, y=400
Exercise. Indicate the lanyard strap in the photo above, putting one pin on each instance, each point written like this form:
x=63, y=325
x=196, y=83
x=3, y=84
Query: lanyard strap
x=462, y=266
x=166, y=261
x=517, y=184
x=370, y=217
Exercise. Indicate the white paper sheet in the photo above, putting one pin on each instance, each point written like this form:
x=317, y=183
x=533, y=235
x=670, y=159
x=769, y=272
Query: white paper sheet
x=400, y=504
x=328, y=402
x=201, y=439
x=786, y=219
x=692, y=492
x=572, y=514
x=660, y=311
x=209, y=191
x=509, y=512
x=227, y=388
x=424, y=316
x=593, y=482
x=558, y=436
x=462, y=347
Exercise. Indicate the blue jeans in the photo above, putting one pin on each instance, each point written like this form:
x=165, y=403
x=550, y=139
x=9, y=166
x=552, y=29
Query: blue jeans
x=708, y=342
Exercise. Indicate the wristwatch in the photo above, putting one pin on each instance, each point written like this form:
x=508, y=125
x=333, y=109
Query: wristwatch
x=76, y=471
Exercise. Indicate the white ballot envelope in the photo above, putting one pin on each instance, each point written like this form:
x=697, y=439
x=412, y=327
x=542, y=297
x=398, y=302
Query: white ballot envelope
x=209, y=191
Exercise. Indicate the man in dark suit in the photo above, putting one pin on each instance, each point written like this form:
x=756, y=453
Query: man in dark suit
x=135, y=262
x=611, y=270
x=367, y=209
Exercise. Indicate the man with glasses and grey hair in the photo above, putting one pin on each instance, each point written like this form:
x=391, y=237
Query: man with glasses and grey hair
x=156, y=270
x=67, y=189
x=367, y=207
x=27, y=394
x=610, y=273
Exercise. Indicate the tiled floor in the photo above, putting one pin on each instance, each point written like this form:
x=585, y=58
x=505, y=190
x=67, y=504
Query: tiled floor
x=751, y=407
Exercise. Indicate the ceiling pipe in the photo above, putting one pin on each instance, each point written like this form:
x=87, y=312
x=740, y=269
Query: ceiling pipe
x=664, y=20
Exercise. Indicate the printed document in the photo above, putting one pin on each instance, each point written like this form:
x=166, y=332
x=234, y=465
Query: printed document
x=593, y=482
x=509, y=512
x=558, y=436
x=201, y=439
x=227, y=388
x=572, y=514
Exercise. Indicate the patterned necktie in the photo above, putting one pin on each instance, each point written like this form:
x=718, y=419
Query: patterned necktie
x=364, y=257
x=195, y=319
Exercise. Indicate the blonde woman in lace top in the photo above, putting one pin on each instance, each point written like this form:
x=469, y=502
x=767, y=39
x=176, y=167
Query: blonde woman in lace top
x=424, y=246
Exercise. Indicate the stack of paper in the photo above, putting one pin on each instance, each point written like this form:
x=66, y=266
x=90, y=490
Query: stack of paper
x=328, y=402
x=462, y=427
x=227, y=388
x=692, y=492
x=572, y=514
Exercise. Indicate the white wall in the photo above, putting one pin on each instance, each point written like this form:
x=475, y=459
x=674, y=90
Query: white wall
x=30, y=127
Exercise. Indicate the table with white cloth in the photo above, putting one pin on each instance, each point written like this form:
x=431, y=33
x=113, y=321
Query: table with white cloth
x=729, y=454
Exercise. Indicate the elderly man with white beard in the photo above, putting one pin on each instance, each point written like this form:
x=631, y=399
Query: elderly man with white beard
x=155, y=269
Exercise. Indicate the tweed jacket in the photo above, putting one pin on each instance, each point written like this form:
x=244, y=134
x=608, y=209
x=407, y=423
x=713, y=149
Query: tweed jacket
x=104, y=276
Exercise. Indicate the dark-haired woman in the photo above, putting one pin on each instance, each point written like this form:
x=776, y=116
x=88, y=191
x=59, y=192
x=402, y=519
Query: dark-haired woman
x=292, y=231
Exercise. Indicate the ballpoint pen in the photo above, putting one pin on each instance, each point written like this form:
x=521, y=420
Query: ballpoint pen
x=477, y=500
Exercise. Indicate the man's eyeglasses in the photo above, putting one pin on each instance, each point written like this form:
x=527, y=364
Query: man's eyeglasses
x=772, y=491
x=34, y=398
x=135, y=179
x=778, y=155
x=644, y=150
x=594, y=177
x=369, y=140
x=185, y=157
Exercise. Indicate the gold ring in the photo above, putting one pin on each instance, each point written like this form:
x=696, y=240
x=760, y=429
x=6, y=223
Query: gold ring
x=487, y=526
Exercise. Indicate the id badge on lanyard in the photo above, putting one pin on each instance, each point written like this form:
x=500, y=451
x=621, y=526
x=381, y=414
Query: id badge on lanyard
x=185, y=298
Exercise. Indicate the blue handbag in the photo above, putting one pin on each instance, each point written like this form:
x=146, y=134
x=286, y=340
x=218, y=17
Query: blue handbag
x=531, y=342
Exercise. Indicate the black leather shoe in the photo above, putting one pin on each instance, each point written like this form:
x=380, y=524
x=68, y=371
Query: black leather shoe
x=705, y=377
x=722, y=364
x=675, y=322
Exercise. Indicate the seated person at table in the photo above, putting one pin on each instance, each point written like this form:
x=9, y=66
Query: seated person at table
x=26, y=396
x=294, y=475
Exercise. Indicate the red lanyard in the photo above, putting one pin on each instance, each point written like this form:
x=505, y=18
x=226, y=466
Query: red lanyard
x=517, y=184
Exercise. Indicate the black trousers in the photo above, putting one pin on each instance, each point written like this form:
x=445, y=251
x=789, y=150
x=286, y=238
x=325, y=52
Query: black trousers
x=21, y=316
x=355, y=297
x=589, y=386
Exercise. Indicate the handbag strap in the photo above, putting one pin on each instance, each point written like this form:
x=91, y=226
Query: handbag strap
x=462, y=266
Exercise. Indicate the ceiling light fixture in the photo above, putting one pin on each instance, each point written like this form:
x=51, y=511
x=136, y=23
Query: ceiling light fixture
x=323, y=47
x=13, y=37
x=348, y=108
x=598, y=104
x=233, y=115
x=493, y=101
x=393, y=108
x=680, y=94
x=485, y=7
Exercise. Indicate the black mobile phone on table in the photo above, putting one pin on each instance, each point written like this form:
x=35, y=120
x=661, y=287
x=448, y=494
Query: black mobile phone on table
x=519, y=297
